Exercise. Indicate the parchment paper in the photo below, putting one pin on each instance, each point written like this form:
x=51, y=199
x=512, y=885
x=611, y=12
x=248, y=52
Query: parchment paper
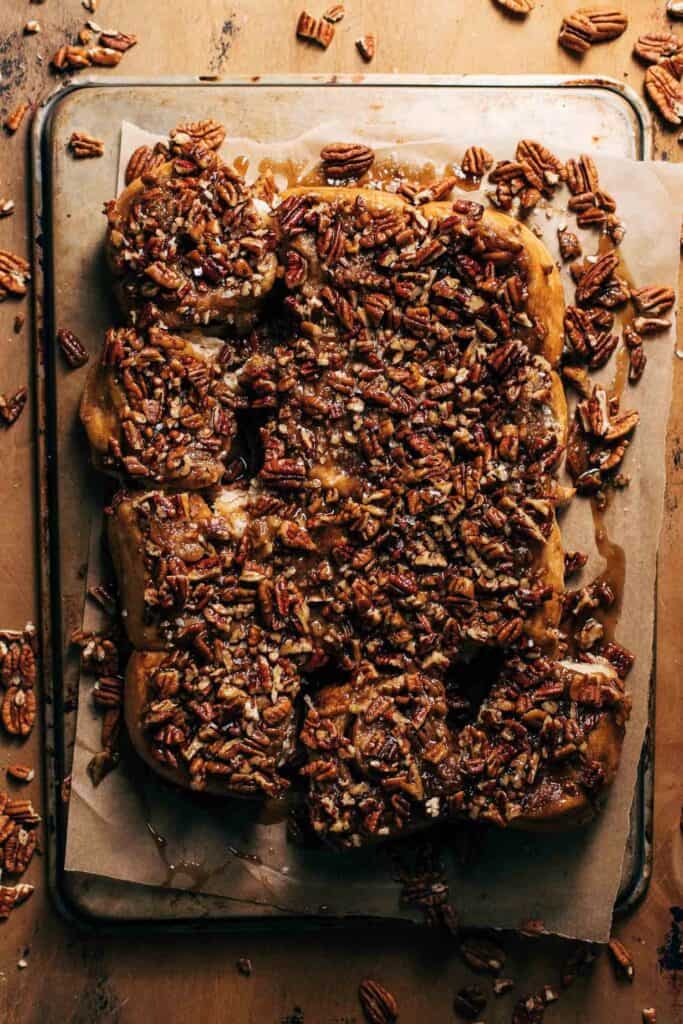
x=134, y=828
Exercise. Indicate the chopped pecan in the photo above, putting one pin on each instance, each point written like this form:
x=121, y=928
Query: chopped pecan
x=469, y=1002
x=665, y=92
x=574, y=561
x=18, y=850
x=502, y=985
x=70, y=57
x=84, y=146
x=72, y=348
x=117, y=41
x=596, y=276
x=313, y=30
x=18, y=711
x=104, y=56
x=12, y=406
x=637, y=361
x=32, y=27
x=14, y=119
x=334, y=14
x=651, y=47
x=367, y=47
x=378, y=1004
x=621, y=959
x=529, y=1010
x=346, y=160
x=582, y=175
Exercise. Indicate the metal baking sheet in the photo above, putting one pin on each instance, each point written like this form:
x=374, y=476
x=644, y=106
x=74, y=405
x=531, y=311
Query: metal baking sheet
x=71, y=287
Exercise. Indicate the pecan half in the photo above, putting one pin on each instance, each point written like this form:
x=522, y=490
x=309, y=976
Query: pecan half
x=72, y=348
x=346, y=160
x=145, y=160
x=104, y=56
x=117, y=41
x=379, y=1005
x=576, y=33
x=653, y=300
x=12, y=406
x=621, y=959
x=520, y=7
x=582, y=175
x=313, y=30
x=664, y=91
x=476, y=161
x=570, y=247
x=367, y=47
x=18, y=711
x=21, y=773
x=607, y=23
x=84, y=146
x=14, y=274
x=16, y=116
x=211, y=133
x=652, y=46
x=18, y=850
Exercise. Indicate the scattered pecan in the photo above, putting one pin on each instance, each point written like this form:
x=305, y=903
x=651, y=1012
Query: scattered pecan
x=346, y=160
x=209, y=132
x=469, y=1002
x=649, y=1016
x=6, y=207
x=18, y=850
x=18, y=711
x=145, y=160
x=244, y=966
x=14, y=119
x=367, y=47
x=621, y=959
x=519, y=7
x=378, y=1004
x=570, y=247
x=313, y=30
x=651, y=47
x=12, y=406
x=21, y=773
x=576, y=33
x=104, y=56
x=502, y=985
x=582, y=175
x=11, y=896
x=529, y=1010
x=637, y=361
x=117, y=41
x=574, y=561
x=84, y=146
x=32, y=27
x=72, y=348
x=665, y=92
x=653, y=300
x=482, y=955
x=334, y=14
x=476, y=161
x=68, y=57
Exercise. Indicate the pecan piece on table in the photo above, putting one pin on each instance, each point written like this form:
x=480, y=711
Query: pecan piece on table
x=16, y=116
x=334, y=14
x=596, y=276
x=469, y=1002
x=21, y=773
x=476, y=161
x=14, y=274
x=651, y=47
x=346, y=160
x=70, y=57
x=12, y=406
x=570, y=247
x=84, y=146
x=622, y=959
x=576, y=33
x=120, y=41
x=379, y=1005
x=519, y=7
x=607, y=23
x=482, y=955
x=145, y=160
x=313, y=30
x=664, y=91
x=637, y=361
x=18, y=711
x=649, y=1015
x=367, y=47
x=104, y=56
x=72, y=348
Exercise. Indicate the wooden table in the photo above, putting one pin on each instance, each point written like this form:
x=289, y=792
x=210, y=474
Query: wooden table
x=82, y=979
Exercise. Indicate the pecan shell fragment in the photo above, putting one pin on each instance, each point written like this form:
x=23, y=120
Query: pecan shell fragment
x=379, y=1005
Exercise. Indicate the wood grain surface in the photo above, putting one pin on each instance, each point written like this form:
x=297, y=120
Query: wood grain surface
x=71, y=977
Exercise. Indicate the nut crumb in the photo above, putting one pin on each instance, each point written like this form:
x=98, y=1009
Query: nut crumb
x=31, y=27
x=84, y=146
x=244, y=967
x=316, y=31
x=334, y=14
x=367, y=47
x=15, y=117
x=21, y=773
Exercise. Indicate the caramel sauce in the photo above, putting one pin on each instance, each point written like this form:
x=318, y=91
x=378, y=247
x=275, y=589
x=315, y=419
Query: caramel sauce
x=290, y=170
x=241, y=165
x=613, y=573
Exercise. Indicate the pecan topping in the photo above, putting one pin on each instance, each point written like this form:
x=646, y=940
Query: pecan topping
x=309, y=28
x=84, y=146
x=520, y=7
x=367, y=47
x=664, y=90
x=596, y=276
x=145, y=160
x=18, y=711
x=12, y=406
x=210, y=133
x=346, y=160
x=378, y=1004
x=621, y=959
x=14, y=119
x=72, y=348
x=476, y=161
x=651, y=47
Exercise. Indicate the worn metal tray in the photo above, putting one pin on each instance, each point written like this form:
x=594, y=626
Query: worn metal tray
x=601, y=115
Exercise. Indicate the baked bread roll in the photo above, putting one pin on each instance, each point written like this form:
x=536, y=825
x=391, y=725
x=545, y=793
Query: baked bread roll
x=191, y=238
x=384, y=760
x=158, y=408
